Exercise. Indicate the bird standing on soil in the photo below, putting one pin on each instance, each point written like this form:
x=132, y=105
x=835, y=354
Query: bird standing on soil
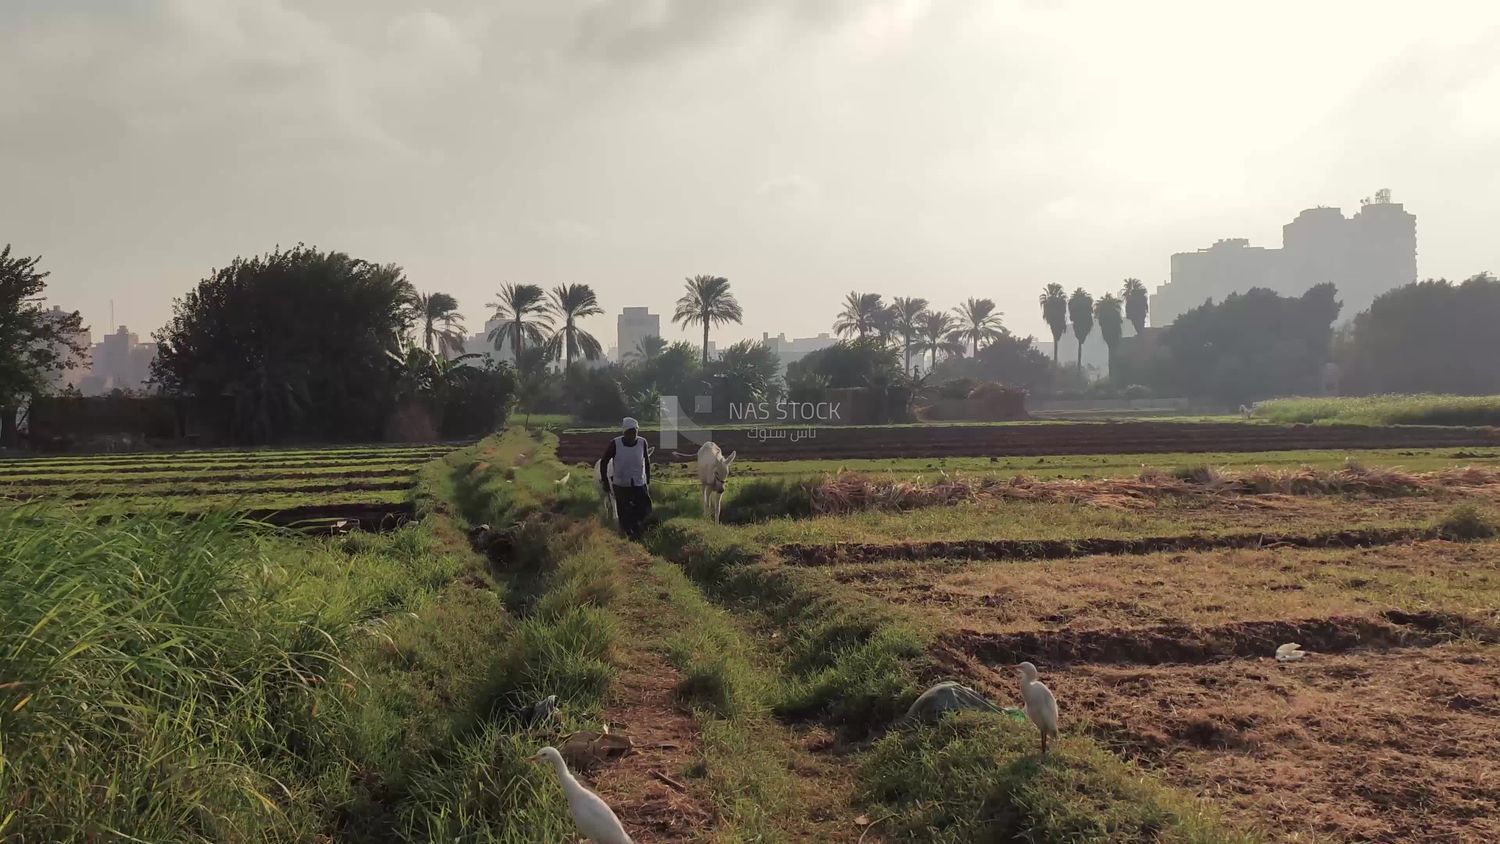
x=1041, y=706
x=595, y=819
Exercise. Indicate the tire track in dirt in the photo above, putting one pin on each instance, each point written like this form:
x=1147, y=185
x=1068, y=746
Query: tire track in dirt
x=998, y=550
x=1177, y=643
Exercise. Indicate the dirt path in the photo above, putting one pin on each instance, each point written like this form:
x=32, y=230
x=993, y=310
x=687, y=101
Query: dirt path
x=664, y=792
x=651, y=789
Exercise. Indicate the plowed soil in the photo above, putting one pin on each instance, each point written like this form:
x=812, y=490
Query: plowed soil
x=1201, y=589
x=1063, y=438
x=996, y=550
x=1390, y=746
x=250, y=491
x=238, y=477
x=1177, y=643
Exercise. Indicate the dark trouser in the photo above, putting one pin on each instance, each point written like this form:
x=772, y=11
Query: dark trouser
x=634, y=505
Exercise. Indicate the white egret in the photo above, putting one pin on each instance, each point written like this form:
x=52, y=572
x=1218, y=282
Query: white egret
x=1041, y=706
x=595, y=819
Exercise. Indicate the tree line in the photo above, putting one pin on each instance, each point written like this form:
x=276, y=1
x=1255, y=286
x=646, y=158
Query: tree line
x=307, y=344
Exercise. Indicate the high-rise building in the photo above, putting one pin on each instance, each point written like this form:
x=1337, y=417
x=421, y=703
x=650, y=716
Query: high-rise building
x=1364, y=256
x=119, y=361
x=632, y=326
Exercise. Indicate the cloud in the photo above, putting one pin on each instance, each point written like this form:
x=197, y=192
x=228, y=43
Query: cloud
x=636, y=31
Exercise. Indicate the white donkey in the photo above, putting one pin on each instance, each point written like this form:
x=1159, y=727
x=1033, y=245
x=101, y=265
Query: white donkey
x=607, y=487
x=713, y=471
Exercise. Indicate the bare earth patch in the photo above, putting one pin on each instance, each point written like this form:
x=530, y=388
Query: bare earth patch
x=1191, y=588
x=1397, y=746
x=648, y=789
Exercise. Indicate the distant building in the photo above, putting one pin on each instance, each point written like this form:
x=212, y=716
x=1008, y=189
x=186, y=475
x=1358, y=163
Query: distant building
x=119, y=361
x=1364, y=256
x=632, y=326
x=480, y=344
x=791, y=351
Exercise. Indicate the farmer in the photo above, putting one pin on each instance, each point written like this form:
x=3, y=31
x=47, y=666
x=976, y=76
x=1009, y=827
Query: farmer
x=631, y=477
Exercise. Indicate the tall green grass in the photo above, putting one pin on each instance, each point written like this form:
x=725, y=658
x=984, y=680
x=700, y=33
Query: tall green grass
x=977, y=777
x=170, y=679
x=163, y=680
x=1395, y=409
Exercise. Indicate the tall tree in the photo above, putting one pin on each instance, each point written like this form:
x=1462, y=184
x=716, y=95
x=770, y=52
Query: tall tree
x=978, y=322
x=937, y=330
x=861, y=316
x=906, y=317
x=442, y=326
x=1253, y=345
x=34, y=343
x=1081, y=312
x=521, y=310
x=263, y=332
x=1008, y=359
x=1108, y=313
x=1137, y=303
x=707, y=301
x=570, y=303
x=847, y=363
x=1427, y=337
x=1055, y=312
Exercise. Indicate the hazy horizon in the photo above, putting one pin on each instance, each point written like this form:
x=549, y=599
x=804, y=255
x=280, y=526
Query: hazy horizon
x=801, y=149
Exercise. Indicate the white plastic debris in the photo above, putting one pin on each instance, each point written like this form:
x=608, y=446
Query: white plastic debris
x=1290, y=652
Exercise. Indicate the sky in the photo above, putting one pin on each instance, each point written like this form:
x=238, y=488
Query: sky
x=801, y=148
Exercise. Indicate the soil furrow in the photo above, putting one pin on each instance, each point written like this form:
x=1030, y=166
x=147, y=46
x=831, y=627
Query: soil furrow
x=169, y=476
x=847, y=553
x=199, y=491
x=1174, y=643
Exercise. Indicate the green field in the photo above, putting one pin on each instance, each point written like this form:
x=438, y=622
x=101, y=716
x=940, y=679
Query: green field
x=262, y=685
x=1424, y=409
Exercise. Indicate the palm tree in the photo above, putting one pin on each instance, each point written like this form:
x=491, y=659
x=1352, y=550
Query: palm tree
x=649, y=349
x=1137, y=303
x=521, y=310
x=861, y=316
x=936, y=329
x=978, y=321
x=1081, y=311
x=1111, y=319
x=442, y=326
x=1055, y=312
x=707, y=302
x=906, y=315
x=570, y=303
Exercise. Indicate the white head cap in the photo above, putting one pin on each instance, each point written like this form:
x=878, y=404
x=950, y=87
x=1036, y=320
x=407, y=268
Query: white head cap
x=629, y=423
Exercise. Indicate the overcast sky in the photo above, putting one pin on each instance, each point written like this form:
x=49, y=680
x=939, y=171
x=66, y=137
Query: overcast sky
x=802, y=148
